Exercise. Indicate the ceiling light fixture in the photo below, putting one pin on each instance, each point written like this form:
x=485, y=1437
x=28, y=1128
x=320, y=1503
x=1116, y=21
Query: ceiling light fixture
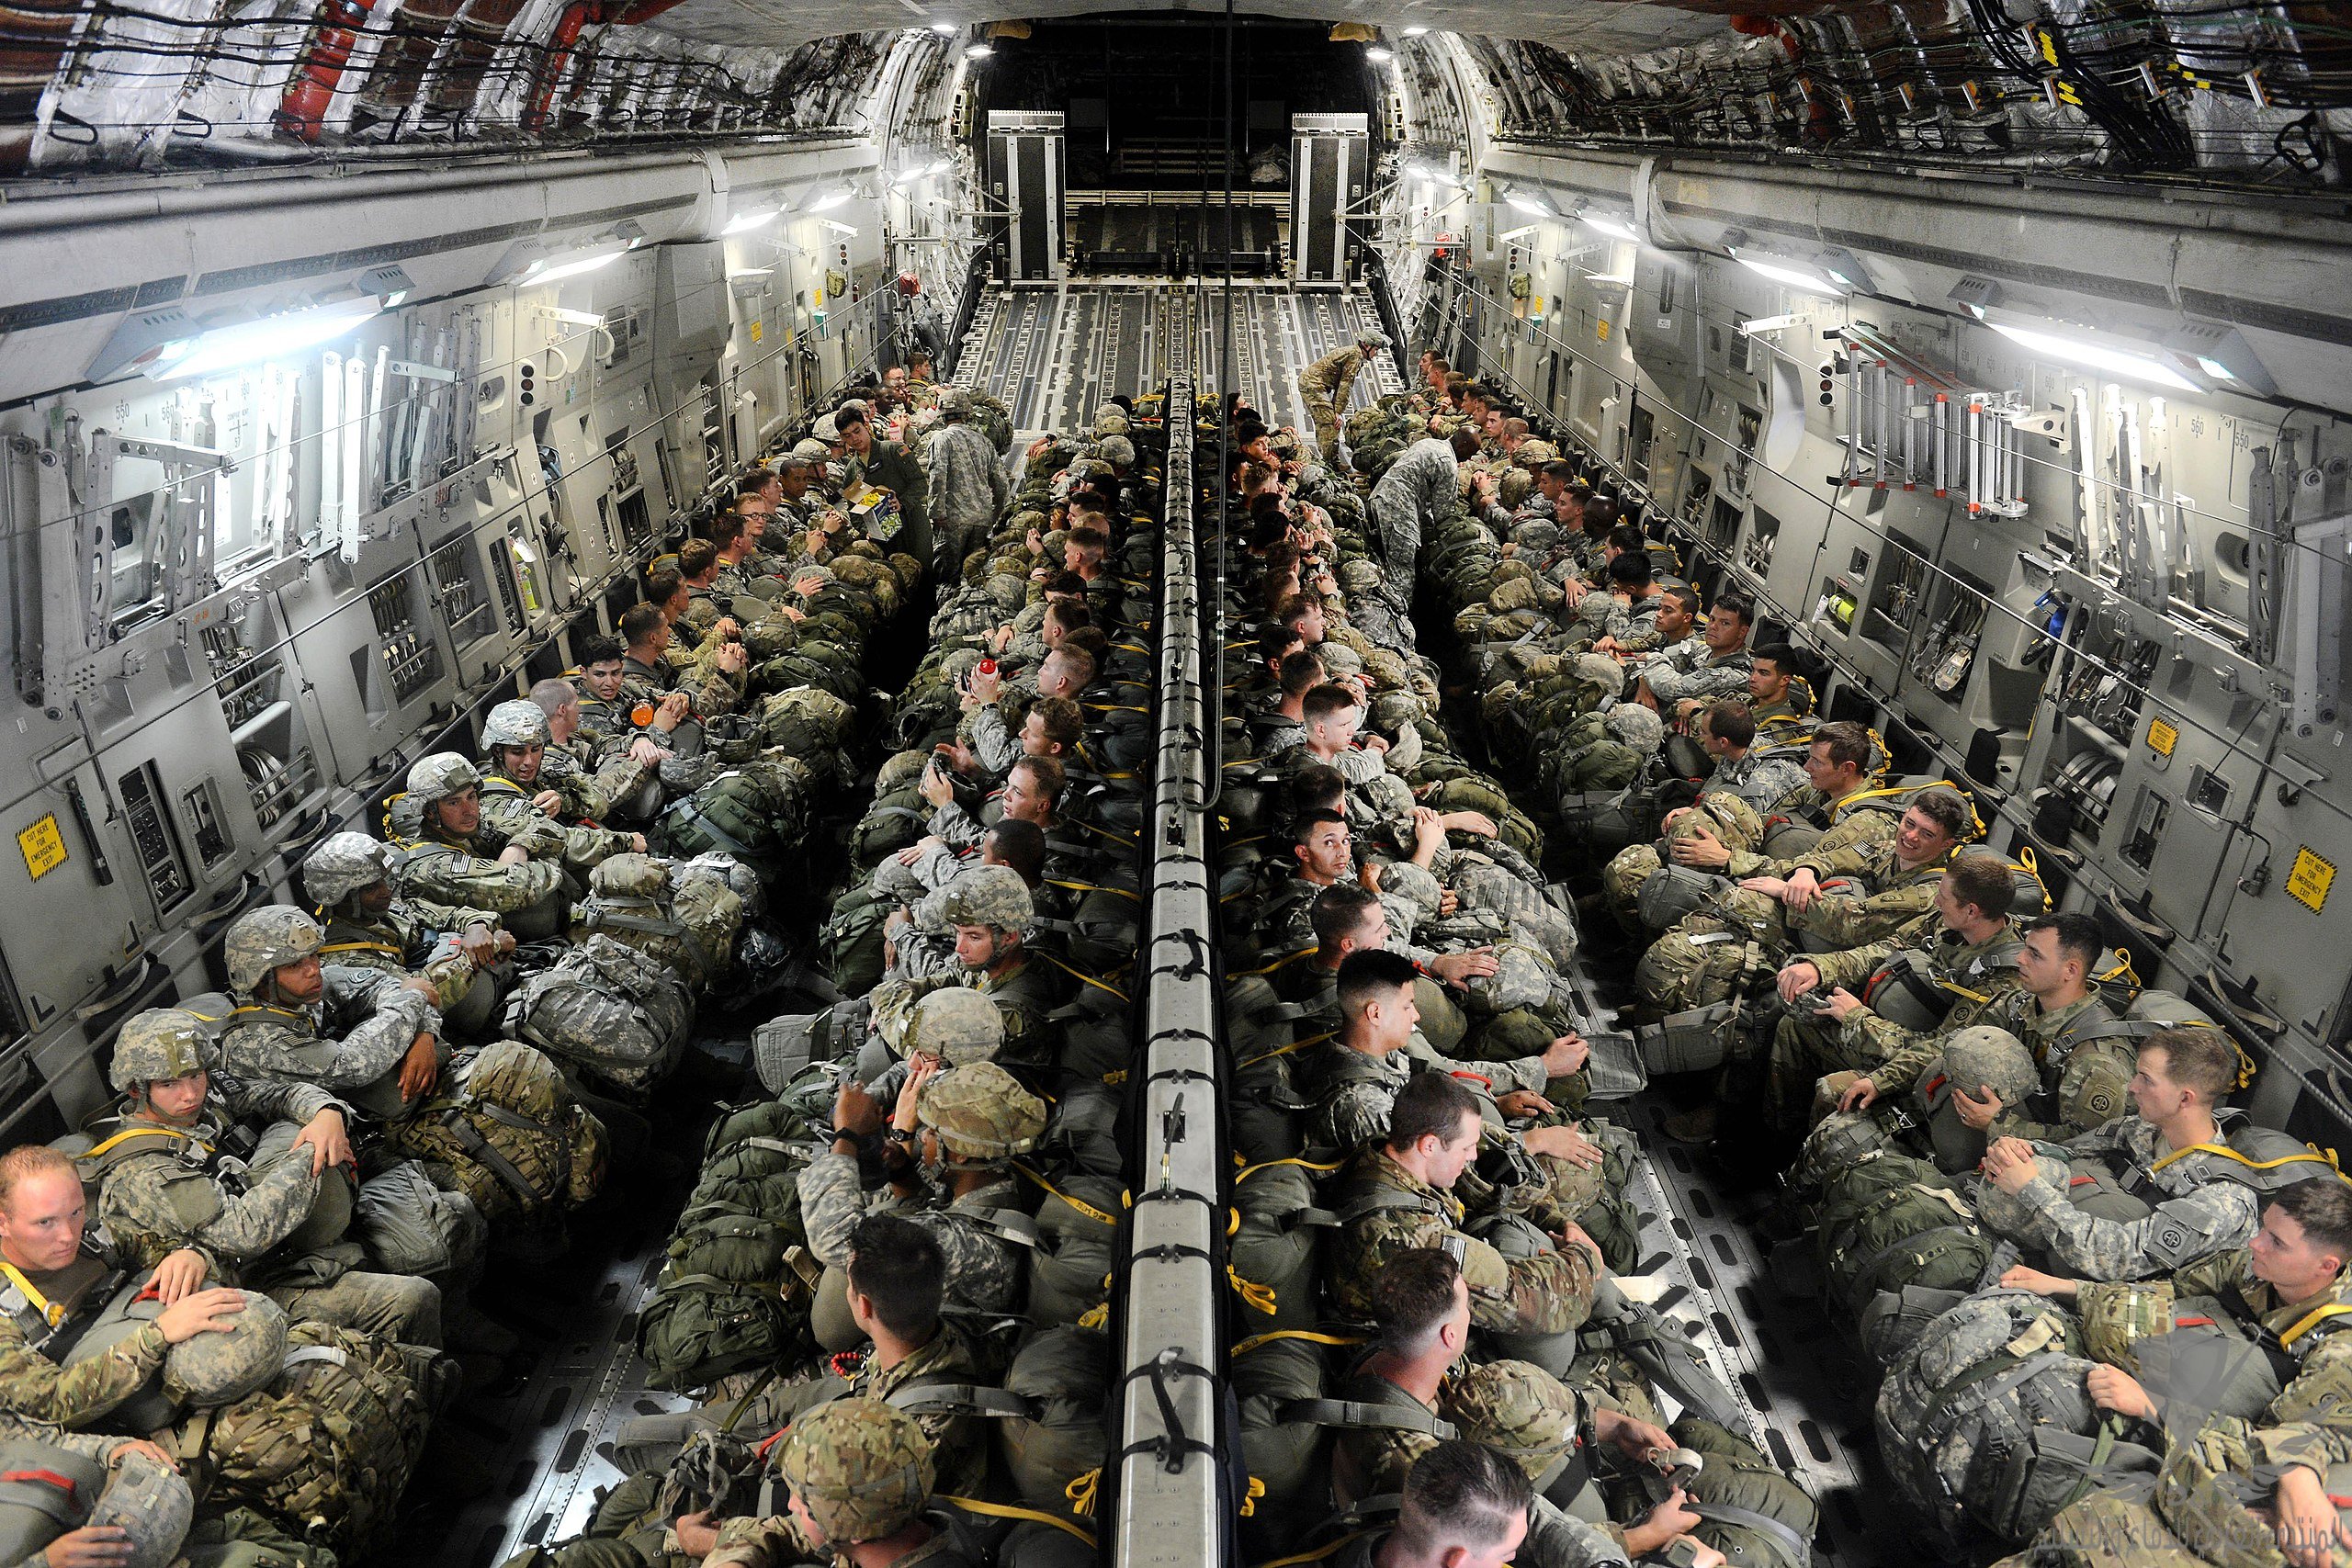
x=1794, y=276
x=2127, y=363
x=1415, y=32
x=830, y=200
x=977, y=52
x=757, y=218
x=225, y=348
x=947, y=29
x=1528, y=202
x=1378, y=55
x=1611, y=226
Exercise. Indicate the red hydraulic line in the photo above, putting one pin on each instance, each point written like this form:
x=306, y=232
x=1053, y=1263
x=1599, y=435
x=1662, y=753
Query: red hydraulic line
x=302, y=112
x=576, y=17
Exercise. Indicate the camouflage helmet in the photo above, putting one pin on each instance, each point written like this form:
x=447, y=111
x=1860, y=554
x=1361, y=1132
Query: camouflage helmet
x=2008, y=1215
x=1599, y=674
x=988, y=895
x=1360, y=577
x=441, y=775
x=150, y=1503
x=1116, y=450
x=956, y=1024
x=1340, y=660
x=981, y=1113
x=812, y=453
x=1986, y=1055
x=265, y=938
x=1534, y=452
x=1516, y=1408
x=343, y=863
x=1110, y=420
x=954, y=402
x=1536, y=536
x=1631, y=724
x=1840, y=1141
x=862, y=1468
x=157, y=1047
x=220, y=1369
x=631, y=875
x=520, y=723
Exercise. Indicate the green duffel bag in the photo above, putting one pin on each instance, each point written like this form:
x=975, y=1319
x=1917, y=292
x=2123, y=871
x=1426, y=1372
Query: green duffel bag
x=1077, y=1250
x=1271, y=1255
x=849, y=943
x=895, y=821
x=1291, y=1458
x=1065, y=1375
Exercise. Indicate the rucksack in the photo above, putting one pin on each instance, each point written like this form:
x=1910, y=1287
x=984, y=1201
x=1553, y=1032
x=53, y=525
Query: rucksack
x=1077, y=1250
x=1065, y=1375
x=606, y=1008
x=328, y=1446
x=1985, y=1419
x=756, y=813
x=849, y=943
x=1894, y=1221
x=726, y=1300
x=511, y=1135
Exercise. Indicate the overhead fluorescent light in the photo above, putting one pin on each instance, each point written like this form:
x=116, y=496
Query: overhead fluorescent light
x=1533, y=204
x=226, y=348
x=1415, y=32
x=830, y=200
x=1794, y=276
x=545, y=271
x=939, y=168
x=947, y=29
x=2093, y=356
x=758, y=217
x=977, y=52
x=2215, y=369
x=1609, y=226
x=1379, y=56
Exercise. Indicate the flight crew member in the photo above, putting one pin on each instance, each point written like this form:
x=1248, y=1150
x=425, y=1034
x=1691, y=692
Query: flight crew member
x=1327, y=383
x=887, y=464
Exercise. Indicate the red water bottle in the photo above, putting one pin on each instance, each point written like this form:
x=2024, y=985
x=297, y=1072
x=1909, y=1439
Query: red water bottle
x=988, y=666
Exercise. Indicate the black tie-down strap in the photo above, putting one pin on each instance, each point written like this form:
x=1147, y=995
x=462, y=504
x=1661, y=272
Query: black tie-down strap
x=1174, y=1444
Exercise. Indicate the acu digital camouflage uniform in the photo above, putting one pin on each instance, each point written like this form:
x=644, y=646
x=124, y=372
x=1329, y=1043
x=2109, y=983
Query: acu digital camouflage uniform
x=411, y=936
x=150, y=1504
x=507, y=808
x=2086, y=1070
x=2197, y=1206
x=1385, y=1210
x=982, y=1118
x=443, y=869
x=1690, y=671
x=171, y=1187
x=1420, y=488
x=1326, y=384
x=1024, y=990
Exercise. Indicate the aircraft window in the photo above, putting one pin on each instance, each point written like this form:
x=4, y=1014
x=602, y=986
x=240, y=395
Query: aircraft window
x=2232, y=551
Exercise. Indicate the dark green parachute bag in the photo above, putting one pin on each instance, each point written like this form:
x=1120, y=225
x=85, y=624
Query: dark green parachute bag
x=896, y=819
x=1065, y=1375
x=1290, y=1457
x=1753, y=1513
x=1894, y=1222
x=757, y=814
x=727, y=1300
x=1077, y=1250
x=1475, y=792
x=1271, y=1253
x=849, y=943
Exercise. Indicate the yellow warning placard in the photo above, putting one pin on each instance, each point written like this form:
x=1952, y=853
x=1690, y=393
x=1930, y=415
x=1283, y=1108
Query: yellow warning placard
x=2308, y=883
x=1601, y=327
x=2162, y=737
x=755, y=329
x=42, y=846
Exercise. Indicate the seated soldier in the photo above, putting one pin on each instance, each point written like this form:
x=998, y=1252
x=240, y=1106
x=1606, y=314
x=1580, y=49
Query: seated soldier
x=454, y=858
x=1413, y=1376
x=918, y=936
x=1777, y=694
x=952, y=1136
x=368, y=926
x=1398, y=1195
x=2054, y=1003
x=860, y=1476
x=1465, y=1505
x=1349, y=918
x=895, y=1279
x=2286, y=1289
x=1970, y=945
x=1630, y=625
x=1683, y=679
x=590, y=785
x=517, y=804
x=989, y=910
x=161, y=1196
x=1281, y=724
x=713, y=687
x=1357, y=1077
x=608, y=719
x=2198, y=1202
x=1032, y=788
x=60, y=1274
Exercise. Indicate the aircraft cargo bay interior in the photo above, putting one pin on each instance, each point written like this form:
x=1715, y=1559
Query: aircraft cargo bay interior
x=1169, y=787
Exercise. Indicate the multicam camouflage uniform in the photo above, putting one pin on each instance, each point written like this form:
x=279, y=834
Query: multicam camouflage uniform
x=2316, y=1342
x=1385, y=1210
x=863, y=1471
x=33, y=1387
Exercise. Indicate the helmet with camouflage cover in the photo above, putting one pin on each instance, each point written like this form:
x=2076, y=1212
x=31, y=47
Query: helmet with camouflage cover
x=981, y=1113
x=1534, y=452
x=157, y=1047
x=1360, y=577
x=812, y=453
x=1393, y=711
x=988, y=895
x=1116, y=450
x=1838, y=1142
x=265, y=938
x=954, y=402
x=443, y=774
x=1386, y=670
x=521, y=723
x=1516, y=1408
x=1984, y=1054
x=2008, y=1215
x=1536, y=536
x=1599, y=676
x=219, y=1369
x=956, y=1024
x=343, y=863
x=810, y=578
x=631, y=875
x=1110, y=420
x=1631, y=724
x=862, y=1469
x=1511, y=489
x=1340, y=660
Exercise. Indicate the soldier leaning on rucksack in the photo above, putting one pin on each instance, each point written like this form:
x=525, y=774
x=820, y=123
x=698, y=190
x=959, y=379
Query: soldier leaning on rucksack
x=453, y=857
x=368, y=926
